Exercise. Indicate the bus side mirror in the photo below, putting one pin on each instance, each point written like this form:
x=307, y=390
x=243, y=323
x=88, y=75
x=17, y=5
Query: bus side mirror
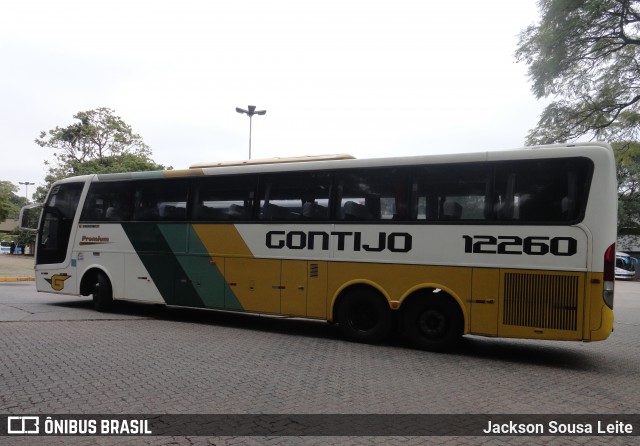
x=30, y=217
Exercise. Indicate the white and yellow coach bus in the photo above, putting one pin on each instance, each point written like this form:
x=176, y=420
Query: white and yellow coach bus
x=513, y=243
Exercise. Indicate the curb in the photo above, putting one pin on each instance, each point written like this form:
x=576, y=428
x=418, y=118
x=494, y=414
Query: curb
x=17, y=279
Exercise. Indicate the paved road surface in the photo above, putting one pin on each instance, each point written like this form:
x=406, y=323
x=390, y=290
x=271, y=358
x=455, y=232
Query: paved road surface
x=59, y=356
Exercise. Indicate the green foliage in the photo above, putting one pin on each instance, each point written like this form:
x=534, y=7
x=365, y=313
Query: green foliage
x=585, y=53
x=10, y=203
x=628, y=171
x=25, y=238
x=100, y=143
x=98, y=135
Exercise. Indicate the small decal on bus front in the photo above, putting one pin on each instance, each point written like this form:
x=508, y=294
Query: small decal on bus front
x=57, y=281
x=94, y=240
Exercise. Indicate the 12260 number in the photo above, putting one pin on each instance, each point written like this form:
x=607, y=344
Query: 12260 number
x=511, y=244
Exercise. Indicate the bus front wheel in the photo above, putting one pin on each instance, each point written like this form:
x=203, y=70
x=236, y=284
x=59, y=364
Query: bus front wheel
x=102, y=293
x=433, y=323
x=364, y=316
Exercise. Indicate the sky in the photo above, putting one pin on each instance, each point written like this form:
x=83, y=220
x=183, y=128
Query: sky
x=372, y=78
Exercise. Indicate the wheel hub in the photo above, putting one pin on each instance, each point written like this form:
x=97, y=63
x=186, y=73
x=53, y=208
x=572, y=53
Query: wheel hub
x=432, y=323
x=363, y=318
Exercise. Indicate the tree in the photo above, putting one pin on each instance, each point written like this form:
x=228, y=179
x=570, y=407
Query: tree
x=10, y=203
x=585, y=53
x=628, y=170
x=100, y=143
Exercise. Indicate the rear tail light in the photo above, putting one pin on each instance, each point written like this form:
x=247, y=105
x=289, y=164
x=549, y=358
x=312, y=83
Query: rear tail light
x=609, y=275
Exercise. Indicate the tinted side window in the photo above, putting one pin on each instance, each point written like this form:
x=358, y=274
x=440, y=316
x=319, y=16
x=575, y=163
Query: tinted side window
x=373, y=195
x=550, y=190
x=160, y=200
x=452, y=192
x=298, y=196
x=224, y=198
x=108, y=201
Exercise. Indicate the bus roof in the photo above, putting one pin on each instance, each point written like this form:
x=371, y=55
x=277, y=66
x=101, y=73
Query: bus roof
x=275, y=160
x=342, y=161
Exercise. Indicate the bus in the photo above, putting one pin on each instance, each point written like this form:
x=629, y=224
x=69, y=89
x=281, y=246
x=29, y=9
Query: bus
x=512, y=244
x=5, y=247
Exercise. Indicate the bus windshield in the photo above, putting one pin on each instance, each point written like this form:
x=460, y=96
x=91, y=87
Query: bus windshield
x=55, y=230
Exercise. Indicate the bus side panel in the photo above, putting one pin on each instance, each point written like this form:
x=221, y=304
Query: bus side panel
x=292, y=287
x=563, y=248
x=159, y=247
x=147, y=279
x=255, y=283
x=230, y=267
x=108, y=248
x=197, y=274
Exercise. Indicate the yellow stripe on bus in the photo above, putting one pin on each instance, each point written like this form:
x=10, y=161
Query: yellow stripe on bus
x=222, y=240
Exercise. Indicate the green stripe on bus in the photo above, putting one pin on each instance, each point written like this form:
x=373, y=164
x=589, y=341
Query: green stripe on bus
x=158, y=257
x=180, y=266
x=213, y=286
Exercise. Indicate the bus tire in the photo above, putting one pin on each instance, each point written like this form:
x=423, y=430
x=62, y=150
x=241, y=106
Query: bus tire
x=102, y=293
x=364, y=316
x=433, y=323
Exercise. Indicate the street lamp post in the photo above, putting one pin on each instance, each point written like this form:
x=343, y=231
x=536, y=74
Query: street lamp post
x=26, y=188
x=250, y=112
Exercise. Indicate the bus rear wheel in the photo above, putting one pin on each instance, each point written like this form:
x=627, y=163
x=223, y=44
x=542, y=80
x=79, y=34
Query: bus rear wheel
x=364, y=316
x=102, y=293
x=433, y=323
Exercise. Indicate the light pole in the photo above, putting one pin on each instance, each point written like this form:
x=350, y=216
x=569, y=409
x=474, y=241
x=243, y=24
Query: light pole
x=26, y=188
x=250, y=112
